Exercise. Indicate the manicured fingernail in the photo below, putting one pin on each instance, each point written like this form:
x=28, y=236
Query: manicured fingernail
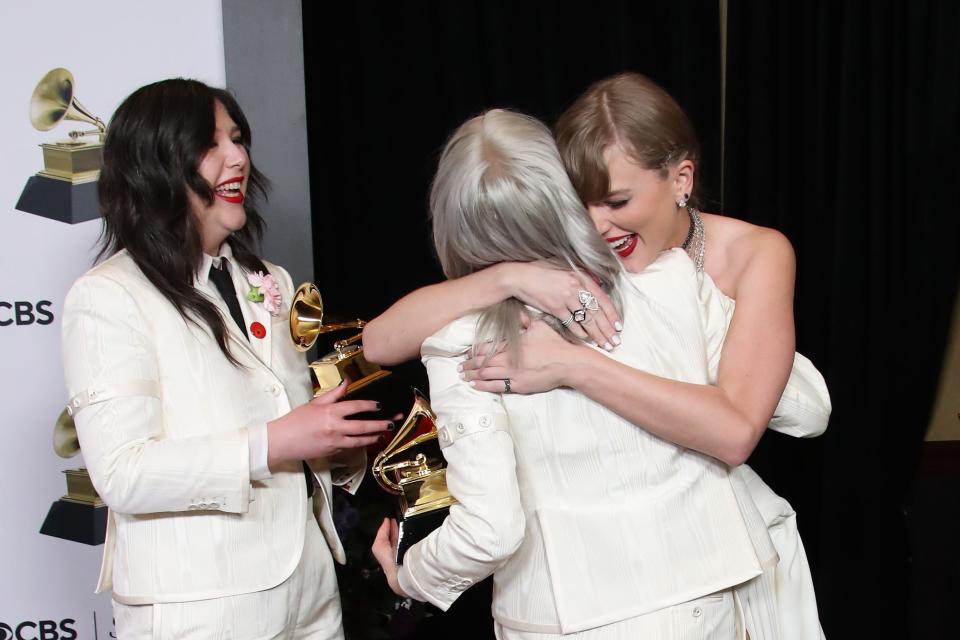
x=608, y=346
x=616, y=340
x=472, y=383
x=460, y=367
x=593, y=343
x=463, y=376
x=618, y=325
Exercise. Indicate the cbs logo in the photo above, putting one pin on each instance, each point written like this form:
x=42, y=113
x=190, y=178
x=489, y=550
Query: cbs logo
x=40, y=630
x=23, y=313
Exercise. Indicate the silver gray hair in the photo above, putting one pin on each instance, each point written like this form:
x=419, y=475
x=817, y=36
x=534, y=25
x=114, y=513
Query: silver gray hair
x=501, y=194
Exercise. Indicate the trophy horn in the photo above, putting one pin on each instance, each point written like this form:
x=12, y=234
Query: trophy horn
x=410, y=453
x=65, y=441
x=53, y=100
x=306, y=318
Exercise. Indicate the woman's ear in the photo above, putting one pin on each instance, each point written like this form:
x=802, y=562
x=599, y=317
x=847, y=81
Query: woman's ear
x=683, y=179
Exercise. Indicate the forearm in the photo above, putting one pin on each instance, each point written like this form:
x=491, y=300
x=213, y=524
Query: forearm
x=696, y=416
x=396, y=335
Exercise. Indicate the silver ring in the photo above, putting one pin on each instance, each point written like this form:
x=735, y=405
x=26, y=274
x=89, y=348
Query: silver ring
x=588, y=300
x=566, y=323
x=579, y=315
x=506, y=385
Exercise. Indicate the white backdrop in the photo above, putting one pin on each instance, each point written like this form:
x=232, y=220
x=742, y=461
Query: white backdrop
x=111, y=47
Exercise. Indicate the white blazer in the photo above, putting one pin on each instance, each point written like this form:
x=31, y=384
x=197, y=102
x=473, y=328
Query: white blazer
x=162, y=418
x=586, y=519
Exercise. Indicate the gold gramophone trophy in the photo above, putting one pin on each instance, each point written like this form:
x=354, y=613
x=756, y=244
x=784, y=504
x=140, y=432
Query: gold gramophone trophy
x=411, y=465
x=80, y=515
x=65, y=189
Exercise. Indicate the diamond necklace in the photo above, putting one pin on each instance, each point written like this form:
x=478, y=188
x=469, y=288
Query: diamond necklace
x=696, y=241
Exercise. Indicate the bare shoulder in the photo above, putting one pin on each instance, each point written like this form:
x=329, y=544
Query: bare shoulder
x=738, y=251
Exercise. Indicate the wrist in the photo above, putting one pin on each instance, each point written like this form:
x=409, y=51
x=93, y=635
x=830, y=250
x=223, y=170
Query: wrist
x=579, y=371
x=505, y=279
x=275, y=444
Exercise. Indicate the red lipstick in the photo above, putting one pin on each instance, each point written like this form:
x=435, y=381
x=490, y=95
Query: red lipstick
x=229, y=190
x=623, y=246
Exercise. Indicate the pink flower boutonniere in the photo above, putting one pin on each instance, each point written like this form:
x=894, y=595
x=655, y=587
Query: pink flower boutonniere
x=264, y=288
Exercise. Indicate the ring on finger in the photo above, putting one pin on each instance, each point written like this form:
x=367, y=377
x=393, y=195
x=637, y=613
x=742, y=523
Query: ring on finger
x=506, y=385
x=567, y=322
x=579, y=315
x=588, y=300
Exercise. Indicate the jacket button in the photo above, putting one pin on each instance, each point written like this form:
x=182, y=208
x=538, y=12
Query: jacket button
x=460, y=427
x=484, y=421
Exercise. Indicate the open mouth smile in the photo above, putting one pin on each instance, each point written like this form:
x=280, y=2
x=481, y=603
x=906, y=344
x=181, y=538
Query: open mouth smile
x=623, y=246
x=229, y=190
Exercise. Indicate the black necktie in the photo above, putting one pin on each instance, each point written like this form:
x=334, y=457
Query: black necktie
x=224, y=283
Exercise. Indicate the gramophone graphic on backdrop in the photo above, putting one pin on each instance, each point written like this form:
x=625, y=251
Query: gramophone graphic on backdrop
x=66, y=188
x=80, y=515
x=411, y=466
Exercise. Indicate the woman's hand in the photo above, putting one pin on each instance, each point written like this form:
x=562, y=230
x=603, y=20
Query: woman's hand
x=557, y=292
x=544, y=360
x=384, y=549
x=322, y=428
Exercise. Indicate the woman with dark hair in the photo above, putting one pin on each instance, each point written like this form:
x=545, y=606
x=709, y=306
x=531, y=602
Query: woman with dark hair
x=631, y=153
x=193, y=409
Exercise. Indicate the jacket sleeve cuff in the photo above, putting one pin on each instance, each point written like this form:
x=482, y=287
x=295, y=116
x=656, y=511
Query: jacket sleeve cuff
x=259, y=448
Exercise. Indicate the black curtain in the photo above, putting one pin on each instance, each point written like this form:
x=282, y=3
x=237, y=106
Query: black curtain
x=841, y=131
x=841, y=120
x=387, y=82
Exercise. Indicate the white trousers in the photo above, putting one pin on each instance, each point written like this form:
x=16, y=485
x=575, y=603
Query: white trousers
x=713, y=617
x=305, y=605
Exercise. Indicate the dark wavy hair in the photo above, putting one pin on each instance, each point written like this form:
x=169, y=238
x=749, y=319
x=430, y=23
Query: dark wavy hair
x=154, y=145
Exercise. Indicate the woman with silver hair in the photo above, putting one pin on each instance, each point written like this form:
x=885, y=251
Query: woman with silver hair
x=588, y=523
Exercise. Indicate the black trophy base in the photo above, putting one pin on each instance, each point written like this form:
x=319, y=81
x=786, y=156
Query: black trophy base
x=415, y=528
x=77, y=522
x=60, y=200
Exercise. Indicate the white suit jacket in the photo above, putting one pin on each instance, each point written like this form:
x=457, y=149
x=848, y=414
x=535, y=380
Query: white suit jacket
x=162, y=418
x=583, y=518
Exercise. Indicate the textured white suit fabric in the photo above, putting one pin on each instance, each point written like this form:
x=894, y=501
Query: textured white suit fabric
x=162, y=419
x=588, y=521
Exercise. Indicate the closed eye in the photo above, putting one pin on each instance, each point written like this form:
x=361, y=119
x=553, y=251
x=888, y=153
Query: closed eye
x=617, y=204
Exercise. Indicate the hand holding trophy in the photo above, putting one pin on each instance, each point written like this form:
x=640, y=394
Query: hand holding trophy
x=411, y=466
